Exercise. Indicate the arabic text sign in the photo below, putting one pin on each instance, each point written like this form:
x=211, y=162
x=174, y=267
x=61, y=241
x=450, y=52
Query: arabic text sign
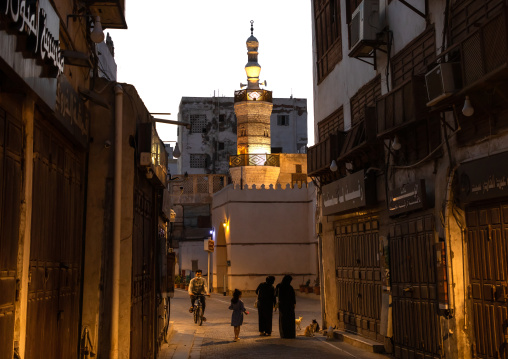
x=485, y=178
x=345, y=194
x=31, y=19
x=407, y=198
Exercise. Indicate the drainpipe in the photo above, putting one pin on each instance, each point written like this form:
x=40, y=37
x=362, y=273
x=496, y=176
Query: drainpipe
x=117, y=211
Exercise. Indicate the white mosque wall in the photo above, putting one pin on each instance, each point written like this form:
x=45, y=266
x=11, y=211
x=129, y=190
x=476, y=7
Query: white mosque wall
x=261, y=232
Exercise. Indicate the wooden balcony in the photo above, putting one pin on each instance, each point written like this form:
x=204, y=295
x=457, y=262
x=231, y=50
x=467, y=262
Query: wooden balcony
x=484, y=54
x=402, y=106
x=112, y=12
x=321, y=154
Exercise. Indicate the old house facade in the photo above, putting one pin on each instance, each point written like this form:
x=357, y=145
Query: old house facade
x=411, y=202
x=60, y=227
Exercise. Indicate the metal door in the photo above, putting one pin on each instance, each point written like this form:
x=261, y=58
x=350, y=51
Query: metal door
x=359, y=277
x=11, y=150
x=416, y=329
x=55, y=249
x=487, y=233
x=143, y=289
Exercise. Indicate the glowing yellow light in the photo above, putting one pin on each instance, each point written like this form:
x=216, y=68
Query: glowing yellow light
x=253, y=71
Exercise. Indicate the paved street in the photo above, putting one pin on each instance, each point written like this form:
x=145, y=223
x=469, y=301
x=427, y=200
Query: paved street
x=215, y=338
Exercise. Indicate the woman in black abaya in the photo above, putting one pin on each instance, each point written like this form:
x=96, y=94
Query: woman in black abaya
x=266, y=302
x=287, y=303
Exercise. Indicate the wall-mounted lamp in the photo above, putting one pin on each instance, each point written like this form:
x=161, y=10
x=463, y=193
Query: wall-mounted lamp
x=396, y=144
x=225, y=223
x=468, y=109
x=333, y=166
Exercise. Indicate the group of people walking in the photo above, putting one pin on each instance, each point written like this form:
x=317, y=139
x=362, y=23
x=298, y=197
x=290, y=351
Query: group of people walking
x=270, y=298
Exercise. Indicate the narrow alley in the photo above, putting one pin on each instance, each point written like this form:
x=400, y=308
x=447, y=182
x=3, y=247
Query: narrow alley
x=214, y=339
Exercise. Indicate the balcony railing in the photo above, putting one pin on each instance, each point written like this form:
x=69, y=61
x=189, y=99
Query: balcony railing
x=254, y=160
x=321, y=154
x=253, y=95
x=403, y=105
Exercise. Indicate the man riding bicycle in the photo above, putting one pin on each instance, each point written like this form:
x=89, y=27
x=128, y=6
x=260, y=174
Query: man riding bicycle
x=198, y=287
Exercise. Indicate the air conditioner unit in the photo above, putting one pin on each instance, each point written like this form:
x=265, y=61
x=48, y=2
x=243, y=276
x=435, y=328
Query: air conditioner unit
x=442, y=81
x=364, y=26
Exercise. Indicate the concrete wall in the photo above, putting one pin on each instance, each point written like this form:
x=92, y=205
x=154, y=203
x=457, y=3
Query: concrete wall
x=267, y=232
x=98, y=225
x=193, y=250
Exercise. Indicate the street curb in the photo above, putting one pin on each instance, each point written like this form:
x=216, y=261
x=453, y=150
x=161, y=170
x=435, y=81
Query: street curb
x=170, y=332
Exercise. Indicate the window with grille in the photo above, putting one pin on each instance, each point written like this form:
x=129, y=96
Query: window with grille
x=197, y=161
x=328, y=36
x=221, y=146
x=331, y=124
x=194, y=265
x=298, y=168
x=468, y=15
x=366, y=96
x=198, y=123
x=282, y=120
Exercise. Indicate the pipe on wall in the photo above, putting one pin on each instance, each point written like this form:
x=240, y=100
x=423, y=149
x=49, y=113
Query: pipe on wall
x=117, y=211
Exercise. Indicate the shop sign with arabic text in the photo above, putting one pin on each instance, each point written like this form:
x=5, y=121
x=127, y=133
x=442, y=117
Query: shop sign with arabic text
x=348, y=193
x=485, y=178
x=30, y=19
x=407, y=198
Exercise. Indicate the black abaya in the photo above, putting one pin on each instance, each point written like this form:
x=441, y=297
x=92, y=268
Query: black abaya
x=266, y=301
x=287, y=302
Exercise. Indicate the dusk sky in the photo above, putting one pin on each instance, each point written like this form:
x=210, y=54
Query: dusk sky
x=197, y=48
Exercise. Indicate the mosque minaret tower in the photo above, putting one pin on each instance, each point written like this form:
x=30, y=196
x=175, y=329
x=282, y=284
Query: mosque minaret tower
x=253, y=163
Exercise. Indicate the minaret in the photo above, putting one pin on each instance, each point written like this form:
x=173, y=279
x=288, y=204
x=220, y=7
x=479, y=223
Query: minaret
x=253, y=106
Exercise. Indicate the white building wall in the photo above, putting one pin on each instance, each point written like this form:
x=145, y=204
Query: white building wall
x=350, y=74
x=267, y=232
x=291, y=138
x=193, y=250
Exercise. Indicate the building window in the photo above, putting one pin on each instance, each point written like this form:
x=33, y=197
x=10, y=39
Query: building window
x=276, y=149
x=197, y=161
x=282, y=120
x=366, y=96
x=198, y=123
x=298, y=168
x=194, y=265
x=222, y=118
x=328, y=36
x=331, y=125
x=221, y=146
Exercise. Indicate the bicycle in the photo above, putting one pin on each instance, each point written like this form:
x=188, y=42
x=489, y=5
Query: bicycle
x=198, y=310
